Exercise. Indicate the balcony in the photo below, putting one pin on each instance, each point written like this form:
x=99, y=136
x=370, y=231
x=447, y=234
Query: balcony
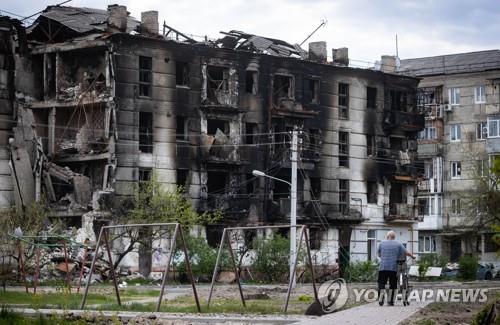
x=432, y=111
x=410, y=122
x=218, y=149
x=430, y=222
x=400, y=212
x=493, y=145
x=288, y=107
x=429, y=149
x=227, y=203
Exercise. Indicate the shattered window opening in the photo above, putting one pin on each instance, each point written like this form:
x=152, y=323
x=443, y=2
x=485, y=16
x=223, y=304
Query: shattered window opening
x=371, y=97
x=312, y=91
x=218, y=83
x=282, y=88
x=315, y=235
x=213, y=125
x=343, y=149
x=315, y=185
x=145, y=75
x=144, y=177
x=250, y=130
x=181, y=130
x=146, y=132
x=182, y=177
x=182, y=73
x=344, y=196
x=251, y=82
x=371, y=192
x=371, y=145
x=343, y=101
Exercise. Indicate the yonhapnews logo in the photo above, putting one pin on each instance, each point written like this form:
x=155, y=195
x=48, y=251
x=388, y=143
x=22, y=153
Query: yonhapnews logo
x=333, y=295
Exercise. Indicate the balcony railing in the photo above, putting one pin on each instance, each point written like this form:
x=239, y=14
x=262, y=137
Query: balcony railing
x=403, y=120
x=400, y=212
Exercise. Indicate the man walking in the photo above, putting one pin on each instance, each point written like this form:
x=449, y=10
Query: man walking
x=390, y=251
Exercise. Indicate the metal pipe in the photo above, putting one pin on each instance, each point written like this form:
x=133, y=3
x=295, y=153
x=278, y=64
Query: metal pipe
x=219, y=253
x=164, y=280
x=292, y=275
x=311, y=264
x=111, y=267
x=189, y=270
x=235, y=270
x=87, y=285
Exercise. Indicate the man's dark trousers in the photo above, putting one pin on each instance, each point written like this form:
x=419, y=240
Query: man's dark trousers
x=383, y=276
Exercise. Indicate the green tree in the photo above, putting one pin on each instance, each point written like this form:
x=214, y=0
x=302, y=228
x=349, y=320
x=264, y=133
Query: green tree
x=153, y=203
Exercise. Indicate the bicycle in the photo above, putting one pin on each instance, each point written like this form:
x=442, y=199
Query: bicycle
x=403, y=281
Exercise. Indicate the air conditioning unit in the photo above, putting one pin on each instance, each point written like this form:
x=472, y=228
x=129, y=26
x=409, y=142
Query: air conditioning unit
x=447, y=108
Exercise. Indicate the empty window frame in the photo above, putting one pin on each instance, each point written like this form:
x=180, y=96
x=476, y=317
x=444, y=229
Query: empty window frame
x=494, y=127
x=454, y=96
x=456, y=169
x=182, y=177
x=145, y=175
x=455, y=206
x=315, y=183
x=480, y=94
x=282, y=88
x=218, y=82
x=250, y=133
x=343, y=98
x=251, y=82
x=146, y=132
x=315, y=235
x=145, y=75
x=481, y=131
x=371, y=145
x=372, y=192
x=455, y=133
x=182, y=73
x=181, y=130
x=343, y=149
x=398, y=100
x=344, y=196
x=214, y=124
x=371, y=97
x=312, y=91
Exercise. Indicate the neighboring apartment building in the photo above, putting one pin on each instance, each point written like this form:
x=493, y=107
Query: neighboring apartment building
x=460, y=96
x=104, y=105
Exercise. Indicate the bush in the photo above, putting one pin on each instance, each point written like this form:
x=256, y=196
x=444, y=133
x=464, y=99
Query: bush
x=361, y=271
x=467, y=267
x=201, y=256
x=430, y=260
x=482, y=315
x=272, y=258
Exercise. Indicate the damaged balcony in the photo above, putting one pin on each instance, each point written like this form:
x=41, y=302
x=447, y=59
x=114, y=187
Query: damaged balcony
x=284, y=103
x=219, y=87
x=220, y=147
x=400, y=212
x=400, y=112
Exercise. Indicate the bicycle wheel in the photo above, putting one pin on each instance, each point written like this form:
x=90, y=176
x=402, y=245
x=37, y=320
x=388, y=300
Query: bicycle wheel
x=406, y=289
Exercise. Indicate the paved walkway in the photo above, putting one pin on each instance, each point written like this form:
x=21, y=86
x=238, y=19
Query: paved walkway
x=370, y=313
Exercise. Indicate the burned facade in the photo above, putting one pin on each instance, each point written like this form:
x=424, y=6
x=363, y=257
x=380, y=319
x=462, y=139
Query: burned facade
x=106, y=105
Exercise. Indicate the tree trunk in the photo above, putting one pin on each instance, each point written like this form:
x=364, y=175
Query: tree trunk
x=145, y=251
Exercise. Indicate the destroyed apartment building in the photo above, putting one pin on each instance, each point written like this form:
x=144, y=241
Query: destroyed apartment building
x=100, y=101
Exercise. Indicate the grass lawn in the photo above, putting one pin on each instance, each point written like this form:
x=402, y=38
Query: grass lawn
x=183, y=304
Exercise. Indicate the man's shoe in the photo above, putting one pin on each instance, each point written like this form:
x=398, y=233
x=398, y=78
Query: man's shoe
x=381, y=303
x=390, y=304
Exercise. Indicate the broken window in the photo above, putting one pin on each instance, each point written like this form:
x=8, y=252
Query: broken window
x=216, y=182
x=180, y=132
x=249, y=237
x=312, y=91
x=371, y=145
x=343, y=101
x=145, y=75
x=250, y=131
x=371, y=97
x=315, y=187
x=282, y=88
x=344, y=196
x=372, y=192
x=214, y=235
x=49, y=75
x=213, y=125
x=182, y=176
x=396, y=144
x=315, y=235
x=144, y=176
x=146, y=132
x=181, y=73
x=398, y=100
x=251, y=82
x=423, y=207
x=218, y=83
x=343, y=149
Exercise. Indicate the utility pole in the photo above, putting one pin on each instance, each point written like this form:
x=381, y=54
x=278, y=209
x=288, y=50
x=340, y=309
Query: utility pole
x=293, y=205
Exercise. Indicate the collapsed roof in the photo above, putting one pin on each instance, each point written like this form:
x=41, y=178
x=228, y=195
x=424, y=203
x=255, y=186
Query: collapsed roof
x=58, y=23
x=238, y=40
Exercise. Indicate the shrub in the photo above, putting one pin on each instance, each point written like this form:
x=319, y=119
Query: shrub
x=430, y=260
x=361, y=271
x=272, y=258
x=201, y=256
x=482, y=315
x=467, y=267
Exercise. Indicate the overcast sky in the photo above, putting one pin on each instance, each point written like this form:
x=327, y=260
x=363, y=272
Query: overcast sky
x=366, y=27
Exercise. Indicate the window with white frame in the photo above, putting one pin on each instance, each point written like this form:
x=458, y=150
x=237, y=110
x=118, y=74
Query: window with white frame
x=494, y=127
x=427, y=244
x=456, y=169
x=429, y=133
x=454, y=96
x=428, y=169
x=480, y=94
x=481, y=131
x=455, y=132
